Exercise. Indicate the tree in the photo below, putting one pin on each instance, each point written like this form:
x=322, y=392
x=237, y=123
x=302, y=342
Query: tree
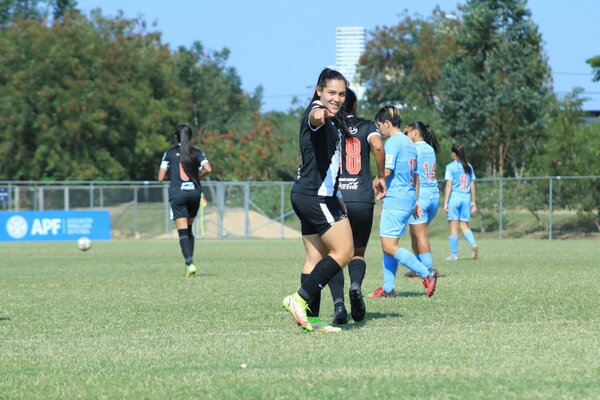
x=19, y=9
x=63, y=7
x=402, y=64
x=84, y=99
x=573, y=148
x=595, y=64
x=216, y=99
x=496, y=86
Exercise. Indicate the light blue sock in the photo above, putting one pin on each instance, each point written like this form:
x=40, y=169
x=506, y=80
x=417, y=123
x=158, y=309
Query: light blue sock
x=453, y=245
x=426, y=259
x=419, y=258
x=390, y=266
x=470, y=238
x=409, y=260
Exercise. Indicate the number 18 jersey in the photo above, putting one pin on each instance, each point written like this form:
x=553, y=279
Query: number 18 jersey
x=355, y=177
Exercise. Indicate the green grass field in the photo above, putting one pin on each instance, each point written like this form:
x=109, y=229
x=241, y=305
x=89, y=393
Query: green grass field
x=120, y=321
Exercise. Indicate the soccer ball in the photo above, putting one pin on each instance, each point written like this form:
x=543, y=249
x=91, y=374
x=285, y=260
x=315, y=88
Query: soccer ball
x=84, y=243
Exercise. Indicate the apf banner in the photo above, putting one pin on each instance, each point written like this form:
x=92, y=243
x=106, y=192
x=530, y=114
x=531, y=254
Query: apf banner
x=24, y=226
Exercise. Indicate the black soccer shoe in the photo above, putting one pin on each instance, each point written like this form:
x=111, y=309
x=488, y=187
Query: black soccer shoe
x=340, y=315
x=357, y=305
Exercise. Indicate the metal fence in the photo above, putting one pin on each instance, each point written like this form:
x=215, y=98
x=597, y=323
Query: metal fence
x=538, y=207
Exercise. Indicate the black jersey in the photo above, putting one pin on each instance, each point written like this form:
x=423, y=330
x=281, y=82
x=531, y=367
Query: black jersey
x=180, y=183
x=319, y=156
x=355, y=178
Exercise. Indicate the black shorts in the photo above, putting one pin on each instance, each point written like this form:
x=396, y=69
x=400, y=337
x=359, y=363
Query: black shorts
x=316, y=213
x=360, y=216
x=185, y=206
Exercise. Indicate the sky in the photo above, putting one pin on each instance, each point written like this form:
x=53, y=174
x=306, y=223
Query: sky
x=283, y=45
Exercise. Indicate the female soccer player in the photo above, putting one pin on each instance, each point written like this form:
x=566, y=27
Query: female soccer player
x=357, y=188
x=399, y=203
x=326, y=232
x=185, y=166
x=459, y=200
x=429, y=194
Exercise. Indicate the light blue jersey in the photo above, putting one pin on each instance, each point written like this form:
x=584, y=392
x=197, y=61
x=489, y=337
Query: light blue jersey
x=461, y=181
x=429, y=192
x=426, y=163
x=401, y=158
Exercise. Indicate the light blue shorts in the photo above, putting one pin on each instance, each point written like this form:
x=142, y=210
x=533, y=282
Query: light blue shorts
x=459, y=208
x=393, y=222
x=429, y=205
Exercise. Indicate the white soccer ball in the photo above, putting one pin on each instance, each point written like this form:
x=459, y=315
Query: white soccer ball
x=84, y=243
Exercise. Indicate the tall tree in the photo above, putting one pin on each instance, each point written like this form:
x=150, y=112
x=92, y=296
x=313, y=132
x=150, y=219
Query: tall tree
x=19, y=9
x=595, y=64
x=62, y=8
x=402, y=63
x=496, y=86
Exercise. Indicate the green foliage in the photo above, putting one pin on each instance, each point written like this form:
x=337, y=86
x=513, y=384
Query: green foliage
x=496, y=86
x=573, y=148
x=595, y=64
x=402, y=64
x=245, y=155
x=97, y=98
x=84, y=99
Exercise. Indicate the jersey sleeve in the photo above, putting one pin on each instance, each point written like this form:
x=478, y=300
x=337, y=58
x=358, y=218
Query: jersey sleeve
x=373, y=130
x=164, y=164
x=448, y=174
x=391, y=153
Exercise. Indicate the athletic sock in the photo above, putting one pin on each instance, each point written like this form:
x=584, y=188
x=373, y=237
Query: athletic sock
x=426, y=259
x=314, y=306
x=470, y=237
x=336, y=286
x=319, y=278
x=356, y=269
x=186, y=246
x=419, y=257
x=192, y=238
x=409, y=260
x=390, y=266
x=453, y=245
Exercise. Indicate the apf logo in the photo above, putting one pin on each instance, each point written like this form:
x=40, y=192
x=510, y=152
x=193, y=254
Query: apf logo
x=16, y=227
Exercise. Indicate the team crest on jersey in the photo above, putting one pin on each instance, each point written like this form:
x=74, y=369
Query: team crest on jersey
x=353, y=130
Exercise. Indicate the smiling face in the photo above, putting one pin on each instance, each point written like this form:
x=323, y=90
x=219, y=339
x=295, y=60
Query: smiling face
x=333, y=94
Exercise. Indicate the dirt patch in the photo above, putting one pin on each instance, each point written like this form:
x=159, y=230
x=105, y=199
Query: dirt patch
x=236, y=225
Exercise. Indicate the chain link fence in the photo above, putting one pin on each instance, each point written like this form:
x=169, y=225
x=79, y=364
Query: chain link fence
x=535, y=207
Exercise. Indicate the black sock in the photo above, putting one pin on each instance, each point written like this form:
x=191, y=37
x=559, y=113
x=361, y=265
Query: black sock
x=336, y=286
x=186, y=245
x=192, y=238
x=356, y=269
x=314, y=306
x=318, y=278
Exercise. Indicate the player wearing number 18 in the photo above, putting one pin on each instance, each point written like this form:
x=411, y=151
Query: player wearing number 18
x=356, y=186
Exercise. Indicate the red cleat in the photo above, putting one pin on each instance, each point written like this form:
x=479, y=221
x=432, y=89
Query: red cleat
x=379, y=293
x=430, y=281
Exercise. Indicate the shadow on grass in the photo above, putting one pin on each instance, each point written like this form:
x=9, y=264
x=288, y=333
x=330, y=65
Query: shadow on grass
x=4, y=319
x=370, y=316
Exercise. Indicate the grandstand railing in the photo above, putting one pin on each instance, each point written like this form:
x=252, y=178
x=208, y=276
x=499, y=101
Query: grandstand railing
x=539, y=207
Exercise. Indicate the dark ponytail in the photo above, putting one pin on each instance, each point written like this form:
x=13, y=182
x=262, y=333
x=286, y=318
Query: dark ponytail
x=340, y=117
x=459, y=150
x=427, y=134
x=189, y=163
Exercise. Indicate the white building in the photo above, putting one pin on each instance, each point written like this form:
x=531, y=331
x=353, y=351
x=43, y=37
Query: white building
x=349, y=46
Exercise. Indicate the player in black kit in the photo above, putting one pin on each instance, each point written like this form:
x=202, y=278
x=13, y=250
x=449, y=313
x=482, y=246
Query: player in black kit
x=326, y=232
x=357, y=188
x=184, y=165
